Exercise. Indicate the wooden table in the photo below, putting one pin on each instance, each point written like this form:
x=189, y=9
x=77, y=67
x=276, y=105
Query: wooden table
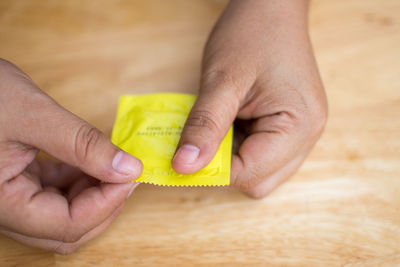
x=341, y=208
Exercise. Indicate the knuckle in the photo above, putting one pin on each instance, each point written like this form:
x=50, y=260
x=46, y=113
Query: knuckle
x=310, y=113
x=319, y=119
x=318, y=114
x=256, y=193
x=72, y=236
x=203, y=119
x=247, y=185
x=217, y=77
x=251, y=182
x=66, y=249
x=85, y=140
x=224, y=80
x=70, y=233
x=252, y=188
x=227, y=75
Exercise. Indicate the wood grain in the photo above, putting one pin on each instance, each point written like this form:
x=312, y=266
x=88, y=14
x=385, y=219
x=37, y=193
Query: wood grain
x=341, y=208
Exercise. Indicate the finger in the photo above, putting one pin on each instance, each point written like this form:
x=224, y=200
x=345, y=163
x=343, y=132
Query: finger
x=51, y=216
x=61, y=176
x=270, y=183
x=58, y=246
x=80, y=185
x=55, y=174
x=272, y=144
x=207, y=124
x=52, y=189
x=42, y=123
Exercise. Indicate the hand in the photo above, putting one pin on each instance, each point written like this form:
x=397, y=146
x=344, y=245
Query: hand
x=259, y=69
x=55, y=206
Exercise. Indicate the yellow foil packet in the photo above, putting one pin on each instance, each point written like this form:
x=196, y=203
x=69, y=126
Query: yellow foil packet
x=149, y=127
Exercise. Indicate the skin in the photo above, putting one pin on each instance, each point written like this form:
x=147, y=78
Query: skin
x=258, y=71
x=55, y=206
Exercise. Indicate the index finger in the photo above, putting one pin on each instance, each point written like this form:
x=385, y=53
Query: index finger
x=266, y=150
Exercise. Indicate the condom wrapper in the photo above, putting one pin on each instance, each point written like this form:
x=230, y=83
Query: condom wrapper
x=149, y=127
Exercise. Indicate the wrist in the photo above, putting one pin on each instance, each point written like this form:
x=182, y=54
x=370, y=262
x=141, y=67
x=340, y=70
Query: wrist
x=290, y=13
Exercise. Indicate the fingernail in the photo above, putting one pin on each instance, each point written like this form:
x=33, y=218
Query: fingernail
x=187, y=154
x=135, y=184
x=126, y=164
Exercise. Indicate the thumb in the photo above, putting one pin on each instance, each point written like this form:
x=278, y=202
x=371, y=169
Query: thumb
x=63, y=135
x=207, y=124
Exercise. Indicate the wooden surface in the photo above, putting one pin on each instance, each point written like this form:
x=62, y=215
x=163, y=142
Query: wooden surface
x=342, y=207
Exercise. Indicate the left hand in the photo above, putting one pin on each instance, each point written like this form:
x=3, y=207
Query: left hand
x=259, y=69
x=50, y=205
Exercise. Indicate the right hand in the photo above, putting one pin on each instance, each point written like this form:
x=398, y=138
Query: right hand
x=55, y=206
x=259, y=71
